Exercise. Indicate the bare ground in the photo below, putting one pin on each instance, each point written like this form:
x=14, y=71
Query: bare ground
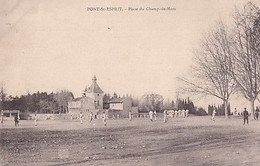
x=195, y=141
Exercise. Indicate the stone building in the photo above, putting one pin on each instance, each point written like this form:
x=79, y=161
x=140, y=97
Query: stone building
x=120, y=107
x=91, y=101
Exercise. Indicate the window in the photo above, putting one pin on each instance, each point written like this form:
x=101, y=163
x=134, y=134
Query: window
x=97, y=94
x=98, y=102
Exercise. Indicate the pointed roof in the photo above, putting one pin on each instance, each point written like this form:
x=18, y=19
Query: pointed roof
x=94, y=88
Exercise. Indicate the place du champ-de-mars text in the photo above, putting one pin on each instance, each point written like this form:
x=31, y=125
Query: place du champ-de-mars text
x=118, y=9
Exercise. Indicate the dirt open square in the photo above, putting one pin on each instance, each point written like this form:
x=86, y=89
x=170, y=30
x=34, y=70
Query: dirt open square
x=195, y=141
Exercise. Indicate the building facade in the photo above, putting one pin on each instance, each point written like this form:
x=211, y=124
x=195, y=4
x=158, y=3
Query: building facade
x=120, y=107
x=91, y=101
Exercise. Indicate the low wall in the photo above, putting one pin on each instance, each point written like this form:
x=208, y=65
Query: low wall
x=51, y=117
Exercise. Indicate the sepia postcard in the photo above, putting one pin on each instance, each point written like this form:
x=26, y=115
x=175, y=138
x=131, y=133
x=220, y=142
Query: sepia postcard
x=110, y=82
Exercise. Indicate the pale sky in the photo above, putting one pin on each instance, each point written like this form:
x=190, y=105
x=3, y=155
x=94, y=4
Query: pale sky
x=50, y=45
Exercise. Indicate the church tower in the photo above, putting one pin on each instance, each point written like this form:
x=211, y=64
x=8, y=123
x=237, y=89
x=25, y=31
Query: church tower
x=95, y=92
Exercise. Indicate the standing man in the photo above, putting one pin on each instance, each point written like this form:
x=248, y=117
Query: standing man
x=90, y=117
x=104, y=119
x=179, y=113
x=154, y=113
x=151, y=115
x=245, y=114
x=186, y=112
x=213, y=115
x=35, y=119
x=183, y=113
x=2, y=120
x=130, y=115
x=257, y=112
x=18, y=120
x=15, y=120
x=80, y=117
x=165, y=117
x=175, y=114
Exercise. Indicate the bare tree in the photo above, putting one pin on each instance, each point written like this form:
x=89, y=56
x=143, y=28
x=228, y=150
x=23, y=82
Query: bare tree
x=246, y=58
x=210, y=73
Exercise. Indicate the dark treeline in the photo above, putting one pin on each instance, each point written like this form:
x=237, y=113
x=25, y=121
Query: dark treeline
x=188, y=104
x=181, y=104
x=155, y=102
x=40, y=102
x=220, y=109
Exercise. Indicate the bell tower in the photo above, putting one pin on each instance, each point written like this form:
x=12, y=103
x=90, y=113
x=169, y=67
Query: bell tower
x=95, y=92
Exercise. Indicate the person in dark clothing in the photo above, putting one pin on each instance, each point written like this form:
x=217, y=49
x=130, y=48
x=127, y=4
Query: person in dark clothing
x=245, y=114
x=16, y=120
x=257, y=113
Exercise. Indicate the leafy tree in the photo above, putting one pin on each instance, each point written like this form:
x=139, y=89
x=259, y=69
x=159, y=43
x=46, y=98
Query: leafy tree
x=152, y=102
x=201, y=112
x=62, y=97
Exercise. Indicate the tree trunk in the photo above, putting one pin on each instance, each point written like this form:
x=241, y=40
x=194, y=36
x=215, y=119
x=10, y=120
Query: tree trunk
x=226, y=108
x=252, y=102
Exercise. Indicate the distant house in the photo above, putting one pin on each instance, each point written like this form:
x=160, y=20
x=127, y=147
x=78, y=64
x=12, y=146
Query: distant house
x=91, y=101
x=120, y=103
x=120, y=107
x=81, y=104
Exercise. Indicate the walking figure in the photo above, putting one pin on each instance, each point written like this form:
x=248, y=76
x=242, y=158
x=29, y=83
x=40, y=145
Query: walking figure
x=165, y=117
x=104, y=119
x=90, y=117
x=245, y=114
x=213, y=115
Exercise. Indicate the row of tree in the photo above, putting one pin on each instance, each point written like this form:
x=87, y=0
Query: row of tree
x=220, y=109
x=40, y=102
x=43, y=102
x=155, y=102
x=228, y=60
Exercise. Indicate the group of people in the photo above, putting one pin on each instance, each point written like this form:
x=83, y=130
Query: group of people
x=175, y=113
x=90, y=117
x=167, y=113
x=152, y=115
x=179, y=113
